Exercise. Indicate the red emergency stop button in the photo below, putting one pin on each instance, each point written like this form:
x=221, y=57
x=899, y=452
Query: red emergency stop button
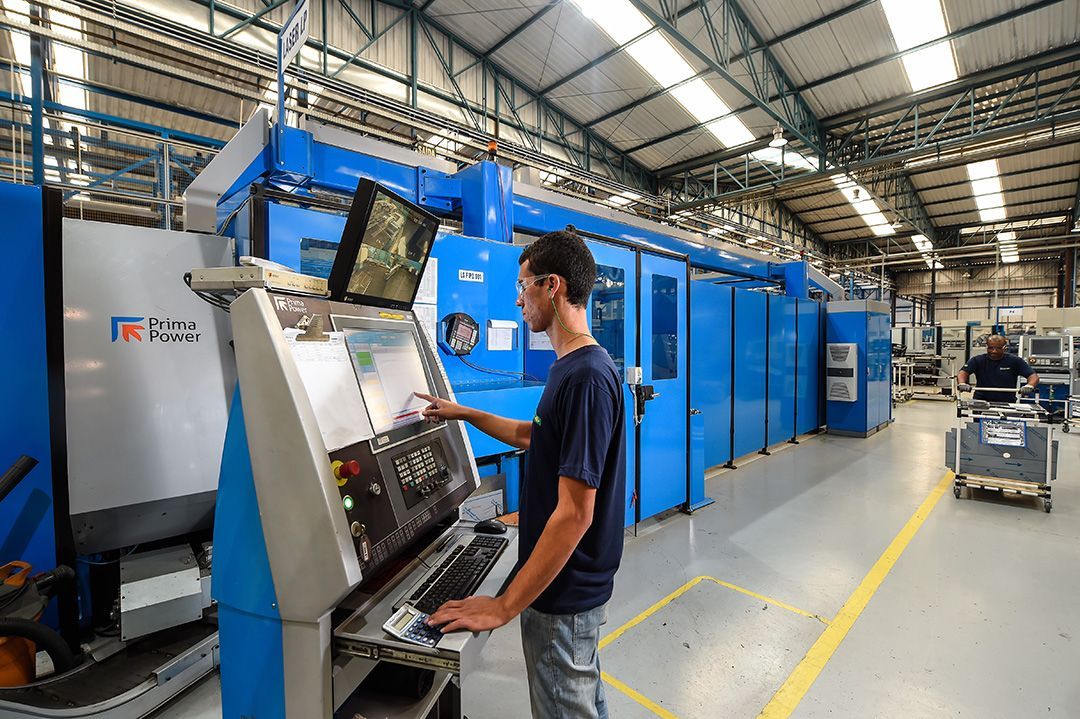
x=343, y=471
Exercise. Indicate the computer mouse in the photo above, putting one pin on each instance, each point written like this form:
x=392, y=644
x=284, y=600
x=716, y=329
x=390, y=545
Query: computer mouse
x=490, y=526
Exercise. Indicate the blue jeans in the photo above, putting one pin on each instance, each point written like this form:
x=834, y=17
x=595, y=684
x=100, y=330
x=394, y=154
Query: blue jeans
x=563, y=663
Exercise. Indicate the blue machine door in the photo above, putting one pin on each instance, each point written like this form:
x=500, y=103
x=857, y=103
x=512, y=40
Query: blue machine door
x=663, y=432
x=612, y=321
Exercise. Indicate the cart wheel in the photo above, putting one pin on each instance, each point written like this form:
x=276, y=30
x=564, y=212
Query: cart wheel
x=1047, y=505
x=956, y=492
x=1065, y=428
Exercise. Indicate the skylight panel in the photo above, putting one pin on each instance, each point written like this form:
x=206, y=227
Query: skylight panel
x=865, y=207
x=700, y=100
x=982, y=170
x=784, y=156
x=988, y=202
x=913, y=23
x=619, y=19
x=730, y=132
x=930, y=67
x=986, y=186
x=20, y=43
x=622, y=22
x=624, y=198
x=658, y=58
x=864, y=204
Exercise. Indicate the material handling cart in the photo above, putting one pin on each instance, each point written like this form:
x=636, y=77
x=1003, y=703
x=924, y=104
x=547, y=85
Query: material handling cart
x=1002, y=447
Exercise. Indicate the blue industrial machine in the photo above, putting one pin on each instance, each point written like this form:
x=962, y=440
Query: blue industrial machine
x=277, y=193
x=757, y=368
x=858, y=367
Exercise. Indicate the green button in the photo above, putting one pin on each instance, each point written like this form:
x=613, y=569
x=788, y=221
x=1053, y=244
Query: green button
x=347, y=502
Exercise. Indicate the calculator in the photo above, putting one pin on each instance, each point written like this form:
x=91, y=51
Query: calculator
x=410, y=624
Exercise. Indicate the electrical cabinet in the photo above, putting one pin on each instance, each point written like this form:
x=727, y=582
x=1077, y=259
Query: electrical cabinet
x=864, y=405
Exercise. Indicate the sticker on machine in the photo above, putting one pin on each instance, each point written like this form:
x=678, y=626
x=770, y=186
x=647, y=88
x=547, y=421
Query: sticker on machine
x=470, y=275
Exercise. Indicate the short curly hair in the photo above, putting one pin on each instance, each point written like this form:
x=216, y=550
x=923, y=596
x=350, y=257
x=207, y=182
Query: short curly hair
x=564, y=253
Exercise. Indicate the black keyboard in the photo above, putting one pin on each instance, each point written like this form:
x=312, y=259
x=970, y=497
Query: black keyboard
x=459, y=574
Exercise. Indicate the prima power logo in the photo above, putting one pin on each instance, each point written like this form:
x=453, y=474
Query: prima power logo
x=166, y=330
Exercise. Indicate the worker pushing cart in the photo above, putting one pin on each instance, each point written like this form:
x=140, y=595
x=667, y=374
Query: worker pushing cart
x=1007, y=447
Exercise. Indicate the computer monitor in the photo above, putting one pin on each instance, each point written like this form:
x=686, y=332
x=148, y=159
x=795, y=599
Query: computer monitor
x=390, y=370
x=1044, y=347
x=383, y=251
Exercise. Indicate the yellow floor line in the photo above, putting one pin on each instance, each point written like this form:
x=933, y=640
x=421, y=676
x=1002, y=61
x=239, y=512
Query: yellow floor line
x=687, y=587
x=650, y=611
x=769, y=600
x=806, y=673
x=638, y=697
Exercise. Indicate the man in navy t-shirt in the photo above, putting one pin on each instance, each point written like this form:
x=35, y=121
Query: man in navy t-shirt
x=573, y=495
x=998, y=369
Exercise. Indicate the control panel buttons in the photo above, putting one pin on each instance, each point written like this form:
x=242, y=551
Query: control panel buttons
x=347, y=502
x=357, y=529
x=375, y=489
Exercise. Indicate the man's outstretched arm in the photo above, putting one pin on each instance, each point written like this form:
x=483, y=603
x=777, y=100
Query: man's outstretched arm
x=513, y=432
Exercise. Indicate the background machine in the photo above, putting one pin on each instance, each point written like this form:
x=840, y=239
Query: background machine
x=337, y=502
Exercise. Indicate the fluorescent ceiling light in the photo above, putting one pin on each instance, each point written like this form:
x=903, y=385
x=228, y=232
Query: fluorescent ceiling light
x=657, y=56
x=915, y=22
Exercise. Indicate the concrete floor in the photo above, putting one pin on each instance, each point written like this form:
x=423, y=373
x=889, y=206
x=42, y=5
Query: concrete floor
x=977, y=618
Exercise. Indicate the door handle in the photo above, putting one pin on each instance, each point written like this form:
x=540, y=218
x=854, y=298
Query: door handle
x=642, y=394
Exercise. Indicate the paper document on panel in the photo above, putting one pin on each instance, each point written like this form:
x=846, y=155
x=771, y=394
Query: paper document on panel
x=501, y=334
x=332, y=387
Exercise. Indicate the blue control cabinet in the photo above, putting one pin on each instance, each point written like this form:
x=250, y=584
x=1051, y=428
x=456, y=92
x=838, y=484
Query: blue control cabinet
x=858, y=387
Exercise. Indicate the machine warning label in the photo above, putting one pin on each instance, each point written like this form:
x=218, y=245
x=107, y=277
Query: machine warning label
x=154, y=329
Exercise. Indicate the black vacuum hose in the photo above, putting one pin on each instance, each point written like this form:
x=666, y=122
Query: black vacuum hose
x=46, y=639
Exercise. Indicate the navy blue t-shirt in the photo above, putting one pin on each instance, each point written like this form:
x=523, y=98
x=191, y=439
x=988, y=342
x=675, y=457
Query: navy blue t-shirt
x=578, y=432
x=1000, y=374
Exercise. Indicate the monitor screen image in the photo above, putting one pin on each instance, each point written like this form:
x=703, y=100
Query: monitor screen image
x=1045, y=347
x=396, y=241
x=389, y=368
